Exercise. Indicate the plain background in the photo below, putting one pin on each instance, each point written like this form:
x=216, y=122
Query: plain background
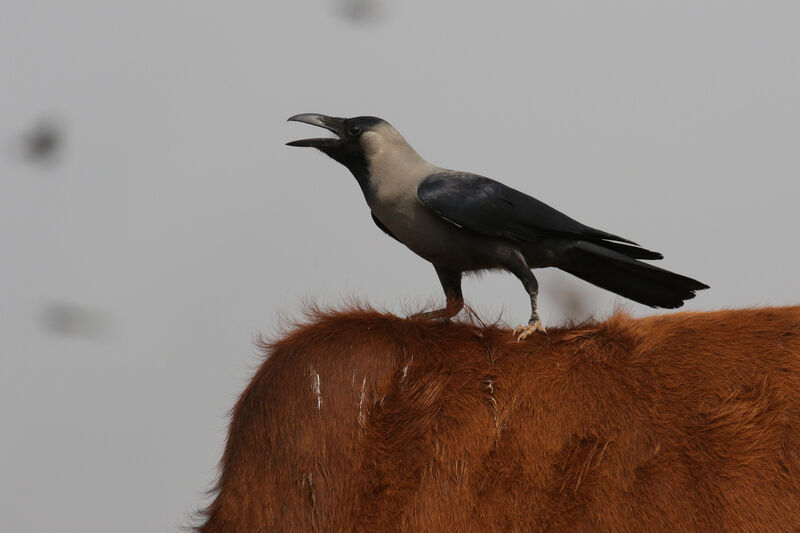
x=171, y=226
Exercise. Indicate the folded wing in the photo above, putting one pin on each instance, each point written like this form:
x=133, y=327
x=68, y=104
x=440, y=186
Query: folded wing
x=486, y=206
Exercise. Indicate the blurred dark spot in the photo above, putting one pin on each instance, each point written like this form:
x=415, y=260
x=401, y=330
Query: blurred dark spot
x=359, y=10
x=44, y=142
x=68, y=320
x=573, y=302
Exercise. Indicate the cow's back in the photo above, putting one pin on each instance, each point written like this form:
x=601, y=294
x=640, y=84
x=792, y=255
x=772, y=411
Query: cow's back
x=366, y=422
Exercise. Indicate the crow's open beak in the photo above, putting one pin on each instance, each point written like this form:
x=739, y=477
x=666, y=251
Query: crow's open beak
x=334, y=124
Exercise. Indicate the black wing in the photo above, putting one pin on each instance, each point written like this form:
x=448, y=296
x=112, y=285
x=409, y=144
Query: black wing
x=486, y=206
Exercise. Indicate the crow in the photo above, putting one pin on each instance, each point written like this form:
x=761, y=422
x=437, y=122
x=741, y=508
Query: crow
x=462, y=222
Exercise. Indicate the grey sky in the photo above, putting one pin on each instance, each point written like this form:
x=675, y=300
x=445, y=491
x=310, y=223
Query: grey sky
x=178, y=224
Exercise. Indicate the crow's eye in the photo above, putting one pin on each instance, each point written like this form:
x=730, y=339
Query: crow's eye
x=353, y=129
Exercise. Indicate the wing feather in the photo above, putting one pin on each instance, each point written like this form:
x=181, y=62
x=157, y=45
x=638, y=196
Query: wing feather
x=487, y=206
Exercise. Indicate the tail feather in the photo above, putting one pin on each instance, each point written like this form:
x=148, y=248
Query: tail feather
x=620, y=274
x=634, y=252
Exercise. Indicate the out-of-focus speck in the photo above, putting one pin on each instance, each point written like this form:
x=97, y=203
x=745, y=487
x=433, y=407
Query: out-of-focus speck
x=361, y=11
x=573, y=303
x=69, y=320
x=44, y=142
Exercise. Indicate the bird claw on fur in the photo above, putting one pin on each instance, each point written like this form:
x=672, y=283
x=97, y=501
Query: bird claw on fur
x=523, y=332
x=438, y=315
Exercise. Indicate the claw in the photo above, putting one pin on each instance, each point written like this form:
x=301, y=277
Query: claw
x=452, y=308
x=523, y=332
x=439, y=314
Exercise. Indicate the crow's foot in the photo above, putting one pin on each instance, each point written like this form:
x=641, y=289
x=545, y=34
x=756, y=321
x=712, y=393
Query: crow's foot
x=452, y=308
x=523, y=332
x=439, y=314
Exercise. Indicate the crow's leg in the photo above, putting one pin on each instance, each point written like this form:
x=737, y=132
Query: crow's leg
x=522, y=271
x=451, y=283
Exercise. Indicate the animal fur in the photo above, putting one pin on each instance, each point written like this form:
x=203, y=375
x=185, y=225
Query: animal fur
x=361, y=421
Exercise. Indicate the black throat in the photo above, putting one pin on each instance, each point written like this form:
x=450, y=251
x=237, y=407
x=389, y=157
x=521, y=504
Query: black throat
x=350, y=155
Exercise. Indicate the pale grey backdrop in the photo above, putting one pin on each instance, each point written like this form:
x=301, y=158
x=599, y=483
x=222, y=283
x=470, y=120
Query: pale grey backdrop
x=172, y=226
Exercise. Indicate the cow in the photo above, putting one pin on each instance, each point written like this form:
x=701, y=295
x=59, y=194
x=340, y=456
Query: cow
x=363, y=421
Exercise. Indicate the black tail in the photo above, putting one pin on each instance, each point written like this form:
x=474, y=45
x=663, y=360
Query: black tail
x=618, y=273
x=634, y=252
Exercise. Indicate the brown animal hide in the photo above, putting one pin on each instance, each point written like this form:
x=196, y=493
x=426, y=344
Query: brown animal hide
x=361, y=421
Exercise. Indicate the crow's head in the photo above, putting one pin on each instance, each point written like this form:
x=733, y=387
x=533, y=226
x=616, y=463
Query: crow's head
x=352, y=134
x=358, y=140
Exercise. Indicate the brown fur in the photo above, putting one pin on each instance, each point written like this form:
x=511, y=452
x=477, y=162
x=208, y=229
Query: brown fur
x=366, y=422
